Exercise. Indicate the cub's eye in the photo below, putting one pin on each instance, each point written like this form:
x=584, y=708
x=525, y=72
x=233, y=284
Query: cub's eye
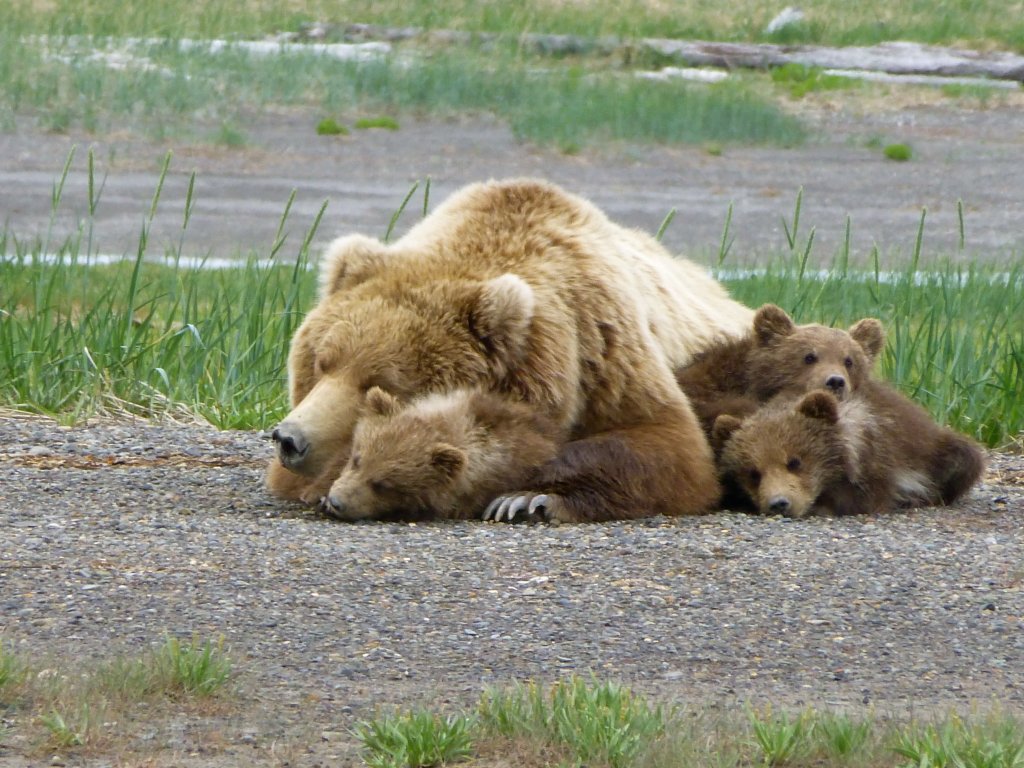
x=754, y=476
x=377, y=486
x=354, y=461
x=793, y=464
x=810, y=358
x=848, y=362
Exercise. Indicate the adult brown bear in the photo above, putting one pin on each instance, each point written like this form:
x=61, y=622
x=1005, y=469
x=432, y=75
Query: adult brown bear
x=522, y=289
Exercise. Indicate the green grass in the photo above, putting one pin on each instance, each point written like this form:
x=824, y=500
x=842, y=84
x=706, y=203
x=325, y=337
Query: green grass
x=67, y=705
x=194, y=668
x=604, y=725
x=799, y=80
x=596, y=723
x=418, y=739
x=384, y=122
x=571, y=103
x=898, y=152
x=828, y=21
x=331, y=127
x=779, y=736
x=561, y=105
x=153, y=338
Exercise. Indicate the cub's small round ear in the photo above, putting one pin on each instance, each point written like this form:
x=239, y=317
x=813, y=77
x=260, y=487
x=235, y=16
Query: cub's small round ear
x=348, y=261
x=723, y=428
x=771, y=323
x=499, y=315
x=819, y=405
x=870, y=334
x=448, y=460
x=381, y=403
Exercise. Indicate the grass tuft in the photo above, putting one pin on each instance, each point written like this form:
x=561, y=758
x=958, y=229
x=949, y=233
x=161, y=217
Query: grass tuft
x=194, y=668
x=331, y=127
x=385, y=122
x=898, y=152
x=602, y=723
x=418, y=739
x=68, y=705
x=780, y=736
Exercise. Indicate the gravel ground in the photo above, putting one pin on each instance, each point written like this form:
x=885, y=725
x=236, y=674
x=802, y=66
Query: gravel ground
x=116, y=533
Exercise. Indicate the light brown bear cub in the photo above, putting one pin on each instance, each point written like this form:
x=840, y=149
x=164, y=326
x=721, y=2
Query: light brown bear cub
x=441, y=456
x=871, y=453
x=779, y=358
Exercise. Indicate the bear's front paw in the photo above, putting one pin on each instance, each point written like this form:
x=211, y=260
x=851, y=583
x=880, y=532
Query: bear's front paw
x=525, y=508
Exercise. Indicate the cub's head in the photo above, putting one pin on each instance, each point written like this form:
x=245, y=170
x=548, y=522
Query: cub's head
x=796, y=359
x=402, y=462
x=783, y=456
x=375, y=327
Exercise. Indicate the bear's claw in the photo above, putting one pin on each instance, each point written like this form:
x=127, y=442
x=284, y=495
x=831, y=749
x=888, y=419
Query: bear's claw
x=527, y=508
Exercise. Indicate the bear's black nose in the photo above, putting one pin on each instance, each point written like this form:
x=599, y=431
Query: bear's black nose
x=778, y=505
x=292, y=446
x=836, y=383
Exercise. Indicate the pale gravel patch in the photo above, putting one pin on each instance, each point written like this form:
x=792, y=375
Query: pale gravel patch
x=115, y=534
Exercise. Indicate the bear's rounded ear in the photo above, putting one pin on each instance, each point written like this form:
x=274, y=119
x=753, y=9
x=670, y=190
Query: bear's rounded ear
x=725, y=424
x=348, y=261
x=772, y=323
x=870, y=334
x=381, y=403
x=500, y=315
x=448, y=460
x=819, y=405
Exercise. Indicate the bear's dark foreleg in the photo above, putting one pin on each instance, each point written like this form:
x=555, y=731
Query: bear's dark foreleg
x=654, y=469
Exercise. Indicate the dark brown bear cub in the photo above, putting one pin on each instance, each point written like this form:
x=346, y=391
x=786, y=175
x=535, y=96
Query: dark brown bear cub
x=779, y=357
x=871, y=453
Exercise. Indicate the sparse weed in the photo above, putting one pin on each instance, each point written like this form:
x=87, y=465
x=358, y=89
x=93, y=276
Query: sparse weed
x=898, y=152
x=385, y=122
x=799, y=80
x=841, y=736
x=780, y=736
x=195, y=668
x=331, y=127
x=952, y=743
x=601, y=723
x=12, y=672
x=230, y=135
x=418, y=739
x=64, y=734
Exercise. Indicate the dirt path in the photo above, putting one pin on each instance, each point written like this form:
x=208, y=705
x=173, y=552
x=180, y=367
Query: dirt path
x=114, y=535
x=973, y=156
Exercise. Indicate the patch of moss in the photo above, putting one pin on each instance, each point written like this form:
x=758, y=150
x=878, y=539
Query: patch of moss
x=898, y=152
x=388, y=123
x=331, y=127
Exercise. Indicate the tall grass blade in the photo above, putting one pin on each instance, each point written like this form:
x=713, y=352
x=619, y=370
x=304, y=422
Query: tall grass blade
x=401, y=209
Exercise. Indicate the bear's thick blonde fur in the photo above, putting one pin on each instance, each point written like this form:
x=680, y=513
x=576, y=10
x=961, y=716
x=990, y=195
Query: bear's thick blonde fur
x=522, y=289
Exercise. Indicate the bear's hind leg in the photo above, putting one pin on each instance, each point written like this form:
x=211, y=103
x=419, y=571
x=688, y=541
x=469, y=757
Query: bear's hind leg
x=956, y=465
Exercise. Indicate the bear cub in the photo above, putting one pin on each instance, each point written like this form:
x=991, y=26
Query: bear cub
x=440, y=456
x=779, y=358
x=871, y=453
